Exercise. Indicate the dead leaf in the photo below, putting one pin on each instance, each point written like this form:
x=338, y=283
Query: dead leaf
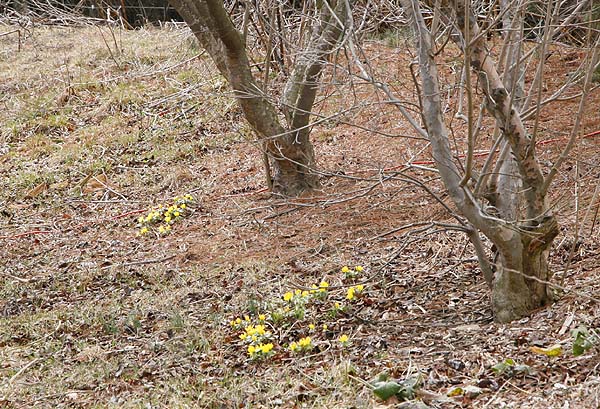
x=36, y=190
x=59, y=185
x=93, y=184
x=555, y=350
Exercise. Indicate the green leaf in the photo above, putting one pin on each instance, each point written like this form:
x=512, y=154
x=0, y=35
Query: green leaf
x=385, y=390
x=409, y=387
x=382, y=377
x=503, y=367
x=583, y=340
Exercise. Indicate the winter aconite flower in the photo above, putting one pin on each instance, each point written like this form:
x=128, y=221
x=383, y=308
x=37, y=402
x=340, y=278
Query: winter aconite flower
x=303, y=344
x=345, y=269
x=266, y=348
x=344, y=339
x=359, y=269
x=354, y=291
x=350, y=294
x=288, y=296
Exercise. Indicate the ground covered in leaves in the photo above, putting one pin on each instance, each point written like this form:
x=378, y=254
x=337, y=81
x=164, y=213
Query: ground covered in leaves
x=244, y=300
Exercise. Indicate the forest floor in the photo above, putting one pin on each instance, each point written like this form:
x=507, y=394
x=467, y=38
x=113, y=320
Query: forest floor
x=98, y=126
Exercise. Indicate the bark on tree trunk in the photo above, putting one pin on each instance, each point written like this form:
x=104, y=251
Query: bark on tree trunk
x=520, y=281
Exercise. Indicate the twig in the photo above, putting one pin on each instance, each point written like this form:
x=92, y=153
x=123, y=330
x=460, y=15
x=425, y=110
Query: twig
x=22, y=370
x=135, y=263
x=28, y=233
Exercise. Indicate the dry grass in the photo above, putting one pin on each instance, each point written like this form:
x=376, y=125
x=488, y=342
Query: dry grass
x=93, y=315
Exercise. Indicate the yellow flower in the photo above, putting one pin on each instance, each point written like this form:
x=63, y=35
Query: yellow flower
x=293, y=346
x=246, y=318
x=176, y=214
x=323, y=286
x=182, y=206
x=238, y=320
x=305, y=293
x=243, y=336
x=266, y=348
x=325, y=327
x=262, y=317
x=359, y=269
x=254, y=338
x=305, y=342
x=350, y=294
x=232, y=323
x=337, y=306
x=167, y=218
x=359, y=288
x=251, y=350
x=141, y=219
x=287, y=296
x=143, y=230
x=260, y=329
x=311, y=326
x=298, y=292
x=344, y=339
x=345, y=269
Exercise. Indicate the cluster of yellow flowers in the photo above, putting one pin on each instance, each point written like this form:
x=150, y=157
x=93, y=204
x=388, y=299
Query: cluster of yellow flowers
x=290, y=310
x=303, y=344
x=351, y=273
x=301, y=296
x=259, y=350
x=354, y=292
x=165, y=216
x=255, y=333
x=256, y=336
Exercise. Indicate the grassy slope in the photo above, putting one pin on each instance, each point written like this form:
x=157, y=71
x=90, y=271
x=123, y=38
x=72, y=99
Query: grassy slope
x=91, y=314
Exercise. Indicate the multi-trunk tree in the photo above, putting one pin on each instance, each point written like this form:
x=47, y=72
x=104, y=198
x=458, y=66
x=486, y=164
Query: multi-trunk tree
x=507, y=199
x=286, y=144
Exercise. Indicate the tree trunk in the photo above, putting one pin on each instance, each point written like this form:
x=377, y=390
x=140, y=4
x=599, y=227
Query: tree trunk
x=522, y=272
x=292, y=164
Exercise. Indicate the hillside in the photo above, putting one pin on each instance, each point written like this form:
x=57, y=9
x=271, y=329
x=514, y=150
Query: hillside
x=99, y=127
